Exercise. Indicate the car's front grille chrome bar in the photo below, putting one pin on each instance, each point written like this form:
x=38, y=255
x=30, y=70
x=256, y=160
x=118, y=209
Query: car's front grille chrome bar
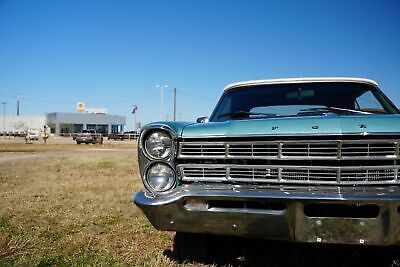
x=299, y=149
x=288, y=174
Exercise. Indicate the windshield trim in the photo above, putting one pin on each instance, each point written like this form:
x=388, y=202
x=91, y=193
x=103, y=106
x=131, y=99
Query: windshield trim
x=300, y=80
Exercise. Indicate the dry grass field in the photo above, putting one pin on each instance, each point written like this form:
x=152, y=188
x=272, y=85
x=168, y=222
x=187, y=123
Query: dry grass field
x=67, y=204
x=71, y=205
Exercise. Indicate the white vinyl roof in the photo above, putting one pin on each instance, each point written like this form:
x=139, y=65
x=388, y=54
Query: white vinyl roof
x=300, y=80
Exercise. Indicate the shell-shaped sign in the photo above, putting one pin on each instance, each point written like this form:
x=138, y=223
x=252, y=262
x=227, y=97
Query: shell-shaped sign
x=80, y=107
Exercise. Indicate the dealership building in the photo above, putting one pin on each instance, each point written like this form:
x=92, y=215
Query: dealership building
x=64, y=123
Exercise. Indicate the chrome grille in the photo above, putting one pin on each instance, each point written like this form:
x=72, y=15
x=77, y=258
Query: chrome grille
x=317, y=150
x=254, y=174
x=381, y=149
x=333, y=149
x=309, y=175
x=204, y=173
x=370, y=175
x=202, y=150
x=252, y=150
x=288, y=174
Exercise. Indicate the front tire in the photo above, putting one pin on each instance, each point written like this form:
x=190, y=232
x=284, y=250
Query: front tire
x=191, y=247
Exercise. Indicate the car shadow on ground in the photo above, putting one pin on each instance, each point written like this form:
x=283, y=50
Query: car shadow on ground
x=231, y=251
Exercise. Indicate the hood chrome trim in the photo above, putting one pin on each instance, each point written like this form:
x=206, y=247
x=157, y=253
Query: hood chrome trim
x=294, y=135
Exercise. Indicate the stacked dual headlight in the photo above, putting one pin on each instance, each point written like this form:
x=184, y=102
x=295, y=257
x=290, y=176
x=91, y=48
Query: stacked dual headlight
x=158, y=144
x=159, y=176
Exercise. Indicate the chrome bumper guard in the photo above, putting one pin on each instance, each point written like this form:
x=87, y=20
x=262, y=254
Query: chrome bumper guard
x=345, y=215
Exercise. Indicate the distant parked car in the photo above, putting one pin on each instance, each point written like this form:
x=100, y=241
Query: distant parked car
x=32, y=136
x=89, y=137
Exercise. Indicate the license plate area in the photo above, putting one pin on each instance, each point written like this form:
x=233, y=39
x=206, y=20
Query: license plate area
x=341, y=222
x=336, y=210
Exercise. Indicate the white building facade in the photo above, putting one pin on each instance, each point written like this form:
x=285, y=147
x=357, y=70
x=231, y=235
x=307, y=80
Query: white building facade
x=18, y=124
x=63, y=123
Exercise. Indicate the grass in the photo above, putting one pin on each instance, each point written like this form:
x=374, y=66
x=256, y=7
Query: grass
x=70, y=205
x=39, y=147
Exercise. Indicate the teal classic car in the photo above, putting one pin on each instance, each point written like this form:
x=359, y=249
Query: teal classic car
x=306, y=160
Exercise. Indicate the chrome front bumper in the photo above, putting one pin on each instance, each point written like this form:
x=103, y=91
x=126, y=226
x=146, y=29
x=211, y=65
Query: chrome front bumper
x=285, y=215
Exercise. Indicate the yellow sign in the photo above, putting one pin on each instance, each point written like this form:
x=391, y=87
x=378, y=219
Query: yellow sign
x=80, y=106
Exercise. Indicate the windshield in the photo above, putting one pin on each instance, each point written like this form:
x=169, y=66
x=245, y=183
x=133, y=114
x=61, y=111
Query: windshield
x=301, y=99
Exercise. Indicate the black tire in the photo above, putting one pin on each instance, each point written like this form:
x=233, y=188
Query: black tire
x=190, y=247
x=78, y=143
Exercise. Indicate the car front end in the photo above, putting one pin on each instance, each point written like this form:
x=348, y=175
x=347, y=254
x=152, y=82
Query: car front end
x=84, y=138
x=321, y=175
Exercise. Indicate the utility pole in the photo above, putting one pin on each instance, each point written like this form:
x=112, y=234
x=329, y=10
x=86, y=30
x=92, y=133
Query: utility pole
x=4, y=119
x=161, y=87
x=18, y=99
x=175, y=104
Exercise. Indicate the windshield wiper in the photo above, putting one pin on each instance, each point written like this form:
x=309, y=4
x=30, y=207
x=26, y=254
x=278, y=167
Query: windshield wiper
x=331, y=109
x=242, y=113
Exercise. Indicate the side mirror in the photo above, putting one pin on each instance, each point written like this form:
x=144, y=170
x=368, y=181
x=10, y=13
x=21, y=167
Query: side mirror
x=202, y=120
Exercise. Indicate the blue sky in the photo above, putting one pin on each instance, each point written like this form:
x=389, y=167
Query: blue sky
x=112, y=54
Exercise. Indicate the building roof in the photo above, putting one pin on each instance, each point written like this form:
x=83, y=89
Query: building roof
x=300, y=80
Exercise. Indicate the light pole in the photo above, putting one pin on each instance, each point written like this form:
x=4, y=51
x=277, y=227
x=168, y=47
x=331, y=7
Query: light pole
x=175, y=104
x=161, y=87
x=4, y=119
x=18, y=99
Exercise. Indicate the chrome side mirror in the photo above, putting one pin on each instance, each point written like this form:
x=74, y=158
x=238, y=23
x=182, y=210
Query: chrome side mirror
x=202, y=120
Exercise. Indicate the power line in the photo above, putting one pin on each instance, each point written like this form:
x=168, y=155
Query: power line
x=7, y=96
x=47, y=101
x=195, y=95
x=129, y=100
x=27, y=99
x=126, y=100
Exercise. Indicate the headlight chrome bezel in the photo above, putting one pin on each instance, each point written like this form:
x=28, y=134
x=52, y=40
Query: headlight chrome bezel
x=146, y=161
x=145, y=135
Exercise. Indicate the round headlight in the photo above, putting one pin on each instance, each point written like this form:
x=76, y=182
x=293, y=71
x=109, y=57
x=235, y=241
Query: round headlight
x=158, y=144
x=160, y=177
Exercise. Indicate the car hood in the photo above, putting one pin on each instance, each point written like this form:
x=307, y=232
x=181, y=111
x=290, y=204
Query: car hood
x=313, y=125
